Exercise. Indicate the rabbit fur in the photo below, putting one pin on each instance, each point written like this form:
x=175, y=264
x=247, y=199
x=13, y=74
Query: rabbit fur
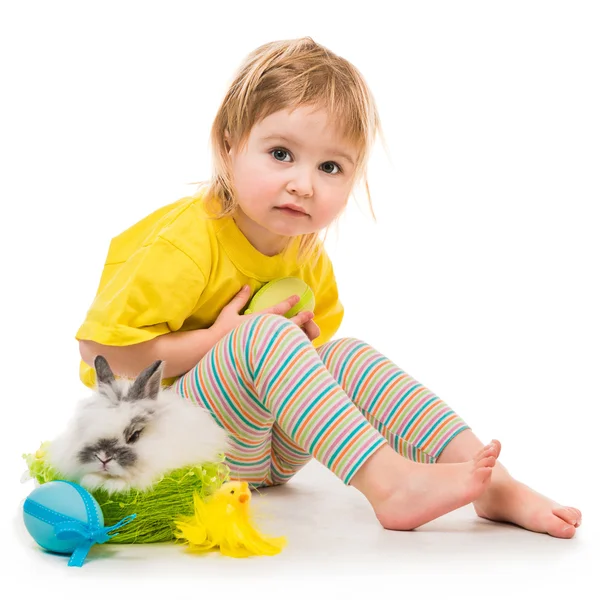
x=131, y=432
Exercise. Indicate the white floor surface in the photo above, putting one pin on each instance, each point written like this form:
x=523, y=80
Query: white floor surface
x=336, y=549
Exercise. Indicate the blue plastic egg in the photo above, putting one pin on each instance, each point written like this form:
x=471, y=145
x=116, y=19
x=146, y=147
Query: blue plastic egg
x=63, y=517
x=64, y=499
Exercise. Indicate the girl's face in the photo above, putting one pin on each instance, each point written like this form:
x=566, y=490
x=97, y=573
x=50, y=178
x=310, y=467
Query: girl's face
x=293, y=177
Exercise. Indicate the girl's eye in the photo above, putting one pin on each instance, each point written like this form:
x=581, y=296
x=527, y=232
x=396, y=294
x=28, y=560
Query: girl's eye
x=279, y=154
x=134, y=437
x=279, y=151
x=336, y=166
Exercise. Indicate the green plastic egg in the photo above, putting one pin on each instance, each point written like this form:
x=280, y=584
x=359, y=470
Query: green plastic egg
x=277, y=291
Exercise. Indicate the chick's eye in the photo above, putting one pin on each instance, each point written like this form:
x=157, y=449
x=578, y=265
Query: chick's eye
x=134, y=437
x=232, y=492
x=279, y=154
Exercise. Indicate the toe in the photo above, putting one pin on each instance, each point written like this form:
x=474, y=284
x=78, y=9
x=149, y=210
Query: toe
x=492, y=449
x=569, y=514
x=485, y=451
x=489, y=450
x=567, y=533
x=556, y=526
x=577, y=514
x=488, y=461
x=497, y=446
x=483, y=474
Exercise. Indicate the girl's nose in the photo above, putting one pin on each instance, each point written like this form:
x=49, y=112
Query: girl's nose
x=300, y=184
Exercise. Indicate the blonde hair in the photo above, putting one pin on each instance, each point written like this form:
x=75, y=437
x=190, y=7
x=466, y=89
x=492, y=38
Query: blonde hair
x=286, y=75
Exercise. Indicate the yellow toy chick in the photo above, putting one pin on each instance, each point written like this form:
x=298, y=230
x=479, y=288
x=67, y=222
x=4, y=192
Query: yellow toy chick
x=223, y=521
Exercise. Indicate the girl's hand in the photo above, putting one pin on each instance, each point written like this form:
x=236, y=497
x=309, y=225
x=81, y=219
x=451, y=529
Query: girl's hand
x=229, y=318
x=311, y=329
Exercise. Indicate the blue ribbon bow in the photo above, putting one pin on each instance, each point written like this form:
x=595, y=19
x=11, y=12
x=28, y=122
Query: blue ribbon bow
x=69, y=528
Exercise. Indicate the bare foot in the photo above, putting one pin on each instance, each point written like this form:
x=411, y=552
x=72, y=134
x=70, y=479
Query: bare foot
x=420, y=493
x=511, y=501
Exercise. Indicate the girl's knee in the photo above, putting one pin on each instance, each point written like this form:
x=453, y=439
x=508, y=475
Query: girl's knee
x=345, y=342
x=262, y=333
x=350, y=341
x=331, y=352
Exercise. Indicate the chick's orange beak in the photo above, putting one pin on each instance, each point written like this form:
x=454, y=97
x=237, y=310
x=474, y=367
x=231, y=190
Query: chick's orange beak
x=244, y=498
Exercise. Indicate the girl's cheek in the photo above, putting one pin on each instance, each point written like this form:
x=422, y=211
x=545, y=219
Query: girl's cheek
x=260, y=191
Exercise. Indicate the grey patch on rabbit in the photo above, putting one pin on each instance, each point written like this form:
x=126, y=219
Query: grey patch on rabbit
x=100, y=448
x=136, y=422
x=111, y=450
x=147, y=384
x=136, y=426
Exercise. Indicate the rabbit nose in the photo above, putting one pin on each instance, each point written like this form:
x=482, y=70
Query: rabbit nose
x=103, y=461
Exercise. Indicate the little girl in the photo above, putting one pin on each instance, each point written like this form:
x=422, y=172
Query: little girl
x=290, y=142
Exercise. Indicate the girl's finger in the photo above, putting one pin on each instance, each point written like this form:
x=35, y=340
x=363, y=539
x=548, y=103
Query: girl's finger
x=302, y=318
x=240, y=299
x=312, y=330
x=282, y=307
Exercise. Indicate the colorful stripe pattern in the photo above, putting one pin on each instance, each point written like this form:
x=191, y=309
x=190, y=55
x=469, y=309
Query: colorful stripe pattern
x=415, y=422
x=284, y=402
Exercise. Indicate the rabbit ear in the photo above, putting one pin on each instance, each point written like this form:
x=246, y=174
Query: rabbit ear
x=105, y=379
x=104, y=373
x=147, y=383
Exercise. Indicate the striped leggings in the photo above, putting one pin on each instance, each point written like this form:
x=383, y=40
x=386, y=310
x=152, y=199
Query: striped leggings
x=283, y=402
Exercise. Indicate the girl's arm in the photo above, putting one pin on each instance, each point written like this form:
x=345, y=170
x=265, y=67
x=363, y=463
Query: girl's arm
x=181, y=351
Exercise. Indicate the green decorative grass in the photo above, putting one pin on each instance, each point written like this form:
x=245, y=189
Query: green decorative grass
x=156, y=508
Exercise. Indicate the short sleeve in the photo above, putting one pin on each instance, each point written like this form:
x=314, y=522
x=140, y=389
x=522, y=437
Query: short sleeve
x=151, y=293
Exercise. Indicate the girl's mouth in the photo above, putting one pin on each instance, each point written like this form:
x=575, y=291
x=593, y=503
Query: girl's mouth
x=292, y=212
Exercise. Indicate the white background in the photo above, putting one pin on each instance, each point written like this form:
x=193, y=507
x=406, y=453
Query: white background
x=480, y=277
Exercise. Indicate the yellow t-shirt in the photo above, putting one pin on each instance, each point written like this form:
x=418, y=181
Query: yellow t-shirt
x=176, y=269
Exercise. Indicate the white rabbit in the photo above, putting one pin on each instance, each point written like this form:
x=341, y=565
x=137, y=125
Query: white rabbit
x=129, y=433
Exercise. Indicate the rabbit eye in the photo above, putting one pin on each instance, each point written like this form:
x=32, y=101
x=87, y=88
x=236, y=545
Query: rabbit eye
x=134, y=437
